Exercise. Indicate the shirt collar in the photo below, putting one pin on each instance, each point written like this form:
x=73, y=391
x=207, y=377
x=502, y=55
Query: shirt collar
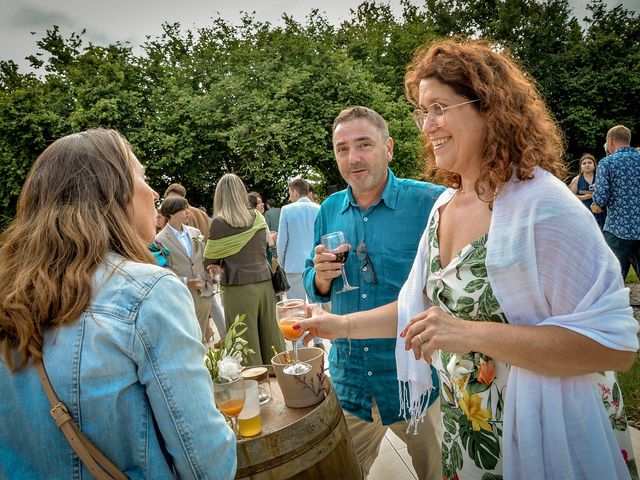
x=389, y=194
x=303, y=199
x=624, y=149
x=184, y=232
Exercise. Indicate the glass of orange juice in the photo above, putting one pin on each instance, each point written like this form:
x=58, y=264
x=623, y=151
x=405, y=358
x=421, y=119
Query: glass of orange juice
x=229, y=397
x=288, y=313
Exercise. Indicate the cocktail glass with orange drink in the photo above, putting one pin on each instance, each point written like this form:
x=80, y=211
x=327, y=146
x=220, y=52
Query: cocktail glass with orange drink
x=229, y=397
x=288, y=313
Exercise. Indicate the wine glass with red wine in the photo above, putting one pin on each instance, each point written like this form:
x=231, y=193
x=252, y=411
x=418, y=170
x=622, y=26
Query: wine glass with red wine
x=335, y=243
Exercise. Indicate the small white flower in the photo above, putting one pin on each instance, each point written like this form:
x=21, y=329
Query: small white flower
x=229, y=368
x=198, y=239
x=458, y=368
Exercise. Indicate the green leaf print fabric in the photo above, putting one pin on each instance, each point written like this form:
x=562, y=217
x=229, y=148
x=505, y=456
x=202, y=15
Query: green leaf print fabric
x=473, y=385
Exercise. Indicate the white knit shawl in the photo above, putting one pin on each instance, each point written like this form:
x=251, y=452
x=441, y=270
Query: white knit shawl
x=548, y=264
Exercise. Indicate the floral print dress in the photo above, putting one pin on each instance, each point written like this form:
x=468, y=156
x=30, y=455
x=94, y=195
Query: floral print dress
x=473, y=385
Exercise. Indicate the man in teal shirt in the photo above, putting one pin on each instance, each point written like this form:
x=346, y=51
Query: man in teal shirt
x=383, y=218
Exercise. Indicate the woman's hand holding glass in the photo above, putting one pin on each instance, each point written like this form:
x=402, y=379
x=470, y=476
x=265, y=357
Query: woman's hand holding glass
x=288, y=314
x=323, y=324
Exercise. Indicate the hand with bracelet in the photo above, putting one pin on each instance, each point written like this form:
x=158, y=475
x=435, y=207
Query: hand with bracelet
x=323, y=324
x=380, y=322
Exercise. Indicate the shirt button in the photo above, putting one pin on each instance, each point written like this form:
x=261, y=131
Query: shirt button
x=366, y=219
x=369, y=373
x=364, y=269
x=366, y=349
x=364, y=295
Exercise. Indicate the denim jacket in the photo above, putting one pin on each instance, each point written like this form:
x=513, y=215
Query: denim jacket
x=131, y=373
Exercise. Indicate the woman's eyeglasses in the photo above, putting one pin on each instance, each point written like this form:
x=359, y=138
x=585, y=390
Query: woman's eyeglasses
x=368, y=273
x=435, y=114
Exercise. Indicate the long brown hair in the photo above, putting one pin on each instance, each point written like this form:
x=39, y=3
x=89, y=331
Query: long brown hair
x=74, y=208
x=520, y=129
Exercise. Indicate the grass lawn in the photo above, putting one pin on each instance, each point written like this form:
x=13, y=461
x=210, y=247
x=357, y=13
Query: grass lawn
x=630, y=386
x=630, y=381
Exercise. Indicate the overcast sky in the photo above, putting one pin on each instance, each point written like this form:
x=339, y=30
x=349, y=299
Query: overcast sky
x=108, y=21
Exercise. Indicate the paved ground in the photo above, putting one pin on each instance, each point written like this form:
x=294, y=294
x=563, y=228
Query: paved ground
x=394, y=462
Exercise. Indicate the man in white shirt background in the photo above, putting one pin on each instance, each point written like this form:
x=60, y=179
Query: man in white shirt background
x=295, y=234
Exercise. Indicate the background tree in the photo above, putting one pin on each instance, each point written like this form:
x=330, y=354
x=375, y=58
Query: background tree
x=259, y=99
x=262, y=104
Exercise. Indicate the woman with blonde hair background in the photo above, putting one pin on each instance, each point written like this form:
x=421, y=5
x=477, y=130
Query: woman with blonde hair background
x=117, y=334
x=237, y=245
x=493, y=299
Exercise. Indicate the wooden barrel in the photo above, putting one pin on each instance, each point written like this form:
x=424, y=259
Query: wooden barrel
x=300, y=443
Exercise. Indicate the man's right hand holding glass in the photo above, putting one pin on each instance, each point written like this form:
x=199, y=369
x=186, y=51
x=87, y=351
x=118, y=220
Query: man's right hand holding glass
x=327, y=268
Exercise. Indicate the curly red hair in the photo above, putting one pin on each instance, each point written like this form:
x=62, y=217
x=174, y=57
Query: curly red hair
x=521, y=132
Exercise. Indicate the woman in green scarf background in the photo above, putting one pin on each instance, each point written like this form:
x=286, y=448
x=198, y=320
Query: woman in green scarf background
x=237, y=244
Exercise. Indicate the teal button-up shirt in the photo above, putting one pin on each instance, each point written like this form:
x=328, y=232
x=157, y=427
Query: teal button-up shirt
x=391, y=229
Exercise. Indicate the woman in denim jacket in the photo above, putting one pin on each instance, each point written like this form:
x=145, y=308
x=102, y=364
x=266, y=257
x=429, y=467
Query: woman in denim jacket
x=118, y=335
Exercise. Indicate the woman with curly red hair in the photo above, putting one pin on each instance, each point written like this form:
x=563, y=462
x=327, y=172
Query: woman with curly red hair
x=492, y=298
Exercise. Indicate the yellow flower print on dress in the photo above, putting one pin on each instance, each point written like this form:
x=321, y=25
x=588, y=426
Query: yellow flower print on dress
x=472, y=408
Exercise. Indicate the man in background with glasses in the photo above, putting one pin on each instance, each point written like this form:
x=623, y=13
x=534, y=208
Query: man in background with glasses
x=383, y=218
